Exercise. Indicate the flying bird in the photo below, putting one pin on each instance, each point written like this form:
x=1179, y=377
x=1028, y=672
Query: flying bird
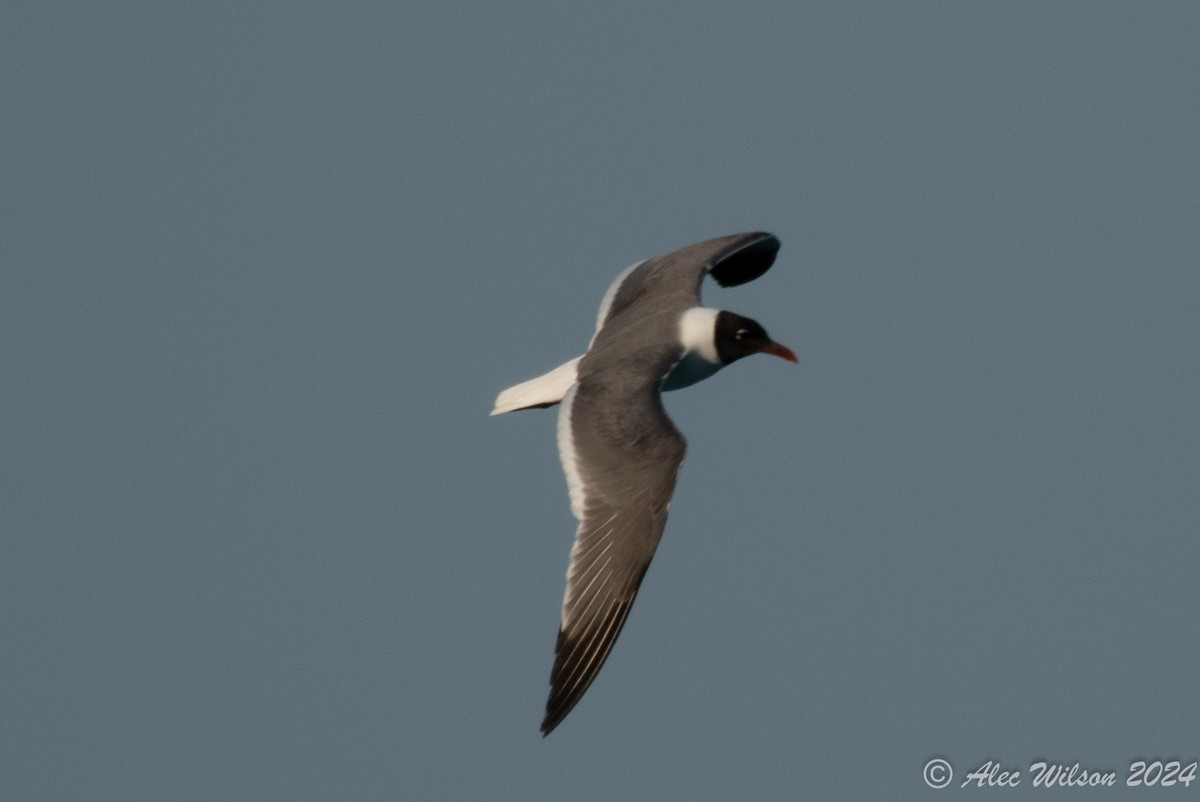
x=619, y=450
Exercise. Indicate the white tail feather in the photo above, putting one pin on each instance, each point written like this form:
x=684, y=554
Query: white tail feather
x=547, y=389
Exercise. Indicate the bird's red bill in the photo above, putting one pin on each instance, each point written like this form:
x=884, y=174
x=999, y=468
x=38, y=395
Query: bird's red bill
x=781, y=351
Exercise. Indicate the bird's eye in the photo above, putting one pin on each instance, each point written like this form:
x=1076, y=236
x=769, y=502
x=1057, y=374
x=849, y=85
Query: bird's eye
x=741, y=334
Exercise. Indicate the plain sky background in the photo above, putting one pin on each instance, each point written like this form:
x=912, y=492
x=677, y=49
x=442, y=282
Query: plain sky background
x=265, y=266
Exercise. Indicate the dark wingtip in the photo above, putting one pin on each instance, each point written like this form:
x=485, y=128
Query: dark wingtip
x=746, y=259
x=556, y=709
x=553, y=716
x=570, y=679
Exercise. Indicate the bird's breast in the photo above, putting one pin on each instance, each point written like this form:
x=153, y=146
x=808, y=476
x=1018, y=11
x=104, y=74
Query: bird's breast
x=689, y=370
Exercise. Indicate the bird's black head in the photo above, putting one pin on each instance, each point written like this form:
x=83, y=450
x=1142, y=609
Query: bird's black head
x=737, y=336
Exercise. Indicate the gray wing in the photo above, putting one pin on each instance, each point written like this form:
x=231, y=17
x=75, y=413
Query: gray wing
x=621, y=454
x=674, y=278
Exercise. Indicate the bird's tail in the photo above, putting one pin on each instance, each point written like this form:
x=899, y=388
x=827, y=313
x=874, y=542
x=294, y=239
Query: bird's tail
x=544, y=391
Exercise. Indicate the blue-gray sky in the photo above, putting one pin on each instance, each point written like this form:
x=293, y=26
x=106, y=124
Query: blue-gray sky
x=266, y=267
